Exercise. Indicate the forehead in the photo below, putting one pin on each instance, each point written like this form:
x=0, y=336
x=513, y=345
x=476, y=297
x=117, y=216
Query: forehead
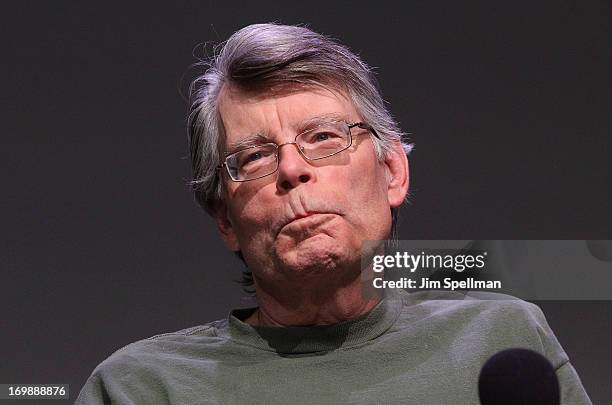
x=245, y=114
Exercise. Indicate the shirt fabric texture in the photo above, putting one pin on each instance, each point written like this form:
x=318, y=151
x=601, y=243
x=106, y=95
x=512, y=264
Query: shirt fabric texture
x=412, y=348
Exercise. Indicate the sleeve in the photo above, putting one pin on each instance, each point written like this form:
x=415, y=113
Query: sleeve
x=119, y=380
x=572, y=391
x=93, y=393
x=114, y=390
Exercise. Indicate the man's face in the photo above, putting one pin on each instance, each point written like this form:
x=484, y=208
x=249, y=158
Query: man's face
x=310, y=217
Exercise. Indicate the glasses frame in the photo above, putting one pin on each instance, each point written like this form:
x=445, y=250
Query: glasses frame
x=362, y=125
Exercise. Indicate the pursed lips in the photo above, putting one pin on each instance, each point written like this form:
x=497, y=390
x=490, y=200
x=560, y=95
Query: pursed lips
x=302, y=216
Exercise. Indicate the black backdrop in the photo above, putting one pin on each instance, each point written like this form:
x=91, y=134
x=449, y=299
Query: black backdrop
x=102, y=243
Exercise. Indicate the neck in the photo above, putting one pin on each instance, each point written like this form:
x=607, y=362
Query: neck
x=316, y=303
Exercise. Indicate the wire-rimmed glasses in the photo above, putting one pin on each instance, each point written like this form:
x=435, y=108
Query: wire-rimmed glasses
x=317, y=143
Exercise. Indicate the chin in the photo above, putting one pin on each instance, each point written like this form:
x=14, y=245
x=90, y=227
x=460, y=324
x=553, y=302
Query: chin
x=317, y=254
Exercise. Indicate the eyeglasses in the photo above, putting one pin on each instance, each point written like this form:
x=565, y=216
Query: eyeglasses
x=317, y=143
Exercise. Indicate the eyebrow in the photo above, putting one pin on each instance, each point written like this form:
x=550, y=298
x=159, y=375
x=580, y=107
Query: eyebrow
x=261, y=138
x=248, y=142
x=320, y=119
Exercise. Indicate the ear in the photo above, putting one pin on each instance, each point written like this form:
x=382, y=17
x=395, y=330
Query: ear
x=226, y=230
x=398, y=178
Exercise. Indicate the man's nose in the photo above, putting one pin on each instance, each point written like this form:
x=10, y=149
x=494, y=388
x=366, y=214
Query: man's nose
x=293, y=168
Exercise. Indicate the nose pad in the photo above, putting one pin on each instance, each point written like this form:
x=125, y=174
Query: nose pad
x=297, y=146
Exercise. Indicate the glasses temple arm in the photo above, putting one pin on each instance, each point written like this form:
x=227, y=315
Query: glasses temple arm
x=368, y=127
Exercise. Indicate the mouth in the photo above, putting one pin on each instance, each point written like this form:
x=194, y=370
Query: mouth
x=307, y=220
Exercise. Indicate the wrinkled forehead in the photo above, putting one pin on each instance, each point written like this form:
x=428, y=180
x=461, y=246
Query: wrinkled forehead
x=280, y=112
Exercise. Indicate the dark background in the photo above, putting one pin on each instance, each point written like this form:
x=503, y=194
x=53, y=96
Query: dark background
x=102, y=244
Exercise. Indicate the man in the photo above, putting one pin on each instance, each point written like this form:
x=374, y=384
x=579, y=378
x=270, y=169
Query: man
x=296, y=157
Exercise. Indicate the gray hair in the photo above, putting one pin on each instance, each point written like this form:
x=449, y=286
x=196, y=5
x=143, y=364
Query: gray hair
x=262, y=58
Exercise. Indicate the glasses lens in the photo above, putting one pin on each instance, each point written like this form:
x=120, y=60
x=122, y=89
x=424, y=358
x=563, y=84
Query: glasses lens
x=252, y=163
x=324, y=140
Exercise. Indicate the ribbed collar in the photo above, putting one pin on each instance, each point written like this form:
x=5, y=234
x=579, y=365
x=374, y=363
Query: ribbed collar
x=309, y=339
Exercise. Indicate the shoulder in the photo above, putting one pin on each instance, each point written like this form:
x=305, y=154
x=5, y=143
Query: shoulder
x=497, y=320
x=142, y=371
x=485, y=305
x=154, y=351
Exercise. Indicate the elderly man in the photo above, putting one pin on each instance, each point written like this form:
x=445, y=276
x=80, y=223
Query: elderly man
x=296, y=157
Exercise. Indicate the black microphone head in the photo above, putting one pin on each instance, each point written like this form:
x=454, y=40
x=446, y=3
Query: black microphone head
x=600, y=249
x=518, y=377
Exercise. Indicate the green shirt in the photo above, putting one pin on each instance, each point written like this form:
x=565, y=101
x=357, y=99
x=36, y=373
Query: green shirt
x=412, y=348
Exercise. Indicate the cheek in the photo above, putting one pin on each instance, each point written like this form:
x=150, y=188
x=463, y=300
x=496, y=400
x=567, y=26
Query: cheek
x=368, y=188
x=369, y=202
x=254, y=216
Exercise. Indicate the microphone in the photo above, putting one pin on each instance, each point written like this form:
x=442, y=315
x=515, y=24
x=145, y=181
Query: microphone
x=600, y=249
x=518, y=377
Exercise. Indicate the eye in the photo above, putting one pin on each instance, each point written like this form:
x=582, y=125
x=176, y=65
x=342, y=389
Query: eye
x=253, y=156
x=321, y=136
x=324, y=136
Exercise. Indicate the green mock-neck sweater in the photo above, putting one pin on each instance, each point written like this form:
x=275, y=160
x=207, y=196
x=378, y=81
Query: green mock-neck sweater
x=412, y=348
